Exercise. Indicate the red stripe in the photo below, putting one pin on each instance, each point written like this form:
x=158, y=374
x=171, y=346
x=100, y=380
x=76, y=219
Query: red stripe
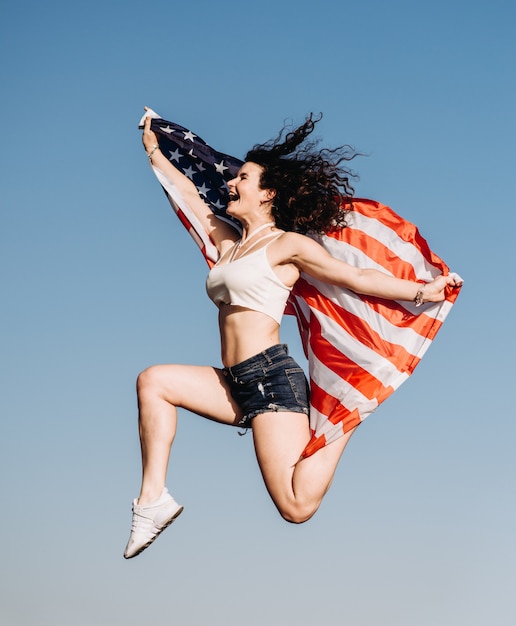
x=360, y=329
x=404, y=230
x=344, y=367
x=183, y=219
x=396, y=314
x=315, y=443
x=327, y=404
x=375, y=249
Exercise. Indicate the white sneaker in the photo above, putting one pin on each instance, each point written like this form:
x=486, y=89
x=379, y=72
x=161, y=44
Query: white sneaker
x=149, y=521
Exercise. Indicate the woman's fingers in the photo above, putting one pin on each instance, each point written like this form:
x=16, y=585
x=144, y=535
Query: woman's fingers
x=457, y=280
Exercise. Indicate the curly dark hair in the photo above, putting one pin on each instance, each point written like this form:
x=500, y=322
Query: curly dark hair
x=313, y=190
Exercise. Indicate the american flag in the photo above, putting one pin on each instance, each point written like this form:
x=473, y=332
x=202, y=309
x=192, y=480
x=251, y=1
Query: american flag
x=359, y=348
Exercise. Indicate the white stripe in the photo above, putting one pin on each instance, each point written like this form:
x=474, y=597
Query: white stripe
x=368, y=359
x=348, y=253
x=321, y=425
x=339, y=388
x=412, y=342
x=344, y=251
x=346, y=394
x=403, y=249
x=351, y=302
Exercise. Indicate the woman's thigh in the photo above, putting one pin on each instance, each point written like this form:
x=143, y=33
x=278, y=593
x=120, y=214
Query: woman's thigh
x=279, y=440
x=199, y=389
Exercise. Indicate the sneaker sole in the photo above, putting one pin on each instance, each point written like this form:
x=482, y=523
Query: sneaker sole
x=167, y=524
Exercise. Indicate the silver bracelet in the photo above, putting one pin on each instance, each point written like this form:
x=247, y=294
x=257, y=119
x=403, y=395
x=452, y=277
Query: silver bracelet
x=153, y=150
x=418, y=300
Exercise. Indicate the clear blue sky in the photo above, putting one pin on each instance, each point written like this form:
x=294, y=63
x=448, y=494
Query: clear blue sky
x=99, y=281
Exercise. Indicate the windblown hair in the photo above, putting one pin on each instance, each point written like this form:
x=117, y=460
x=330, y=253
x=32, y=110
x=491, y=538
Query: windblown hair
x=313, y=190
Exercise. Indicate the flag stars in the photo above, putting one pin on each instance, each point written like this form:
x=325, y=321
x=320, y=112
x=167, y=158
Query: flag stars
x=189, y=171
x=203, y=190
x=175, y=155
x=220, y=167
x=189, y=135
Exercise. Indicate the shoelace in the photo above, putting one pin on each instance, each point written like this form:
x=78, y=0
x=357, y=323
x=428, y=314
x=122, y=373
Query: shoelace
x=141, y=523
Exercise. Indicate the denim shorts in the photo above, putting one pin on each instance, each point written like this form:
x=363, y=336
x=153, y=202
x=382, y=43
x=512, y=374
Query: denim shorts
x=268, y=382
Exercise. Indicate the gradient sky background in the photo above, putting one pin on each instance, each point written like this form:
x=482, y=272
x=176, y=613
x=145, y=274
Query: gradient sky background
x=100, y=281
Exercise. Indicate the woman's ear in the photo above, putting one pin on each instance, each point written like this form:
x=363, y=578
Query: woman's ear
x=271, y=194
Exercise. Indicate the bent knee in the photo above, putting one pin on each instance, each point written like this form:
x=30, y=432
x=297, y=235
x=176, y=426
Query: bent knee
x=297, y=513
x=147, y=377
x=150, y=380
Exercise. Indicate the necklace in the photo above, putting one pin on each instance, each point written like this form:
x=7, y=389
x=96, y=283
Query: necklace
x=241, y=242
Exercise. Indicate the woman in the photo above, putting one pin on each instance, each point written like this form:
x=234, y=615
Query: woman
x=284, y=189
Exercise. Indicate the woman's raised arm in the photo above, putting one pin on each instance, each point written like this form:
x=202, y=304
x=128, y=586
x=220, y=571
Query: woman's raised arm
x=219, y=231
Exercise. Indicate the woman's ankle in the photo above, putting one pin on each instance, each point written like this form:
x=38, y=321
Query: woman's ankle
x=149, y=495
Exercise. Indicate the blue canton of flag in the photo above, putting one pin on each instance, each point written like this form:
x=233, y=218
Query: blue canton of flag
x=208, y=169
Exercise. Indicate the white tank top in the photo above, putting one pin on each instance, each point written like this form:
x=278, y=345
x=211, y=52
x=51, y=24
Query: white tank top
x=249, y=282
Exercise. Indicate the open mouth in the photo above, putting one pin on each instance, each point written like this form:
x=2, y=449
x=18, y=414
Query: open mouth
x=233, y=196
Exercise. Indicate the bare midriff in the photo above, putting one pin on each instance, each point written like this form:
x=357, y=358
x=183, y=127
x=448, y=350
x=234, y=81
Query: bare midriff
x=244, y=333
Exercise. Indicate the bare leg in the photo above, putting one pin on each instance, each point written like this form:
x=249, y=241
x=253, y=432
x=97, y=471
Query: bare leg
x=296, y=487
x=161, y=389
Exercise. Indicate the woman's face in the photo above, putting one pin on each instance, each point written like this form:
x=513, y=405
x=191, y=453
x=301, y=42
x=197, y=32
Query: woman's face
x=245, y=194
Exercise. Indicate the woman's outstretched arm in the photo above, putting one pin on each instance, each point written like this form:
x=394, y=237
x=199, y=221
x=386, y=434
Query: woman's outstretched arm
x=314, y=260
